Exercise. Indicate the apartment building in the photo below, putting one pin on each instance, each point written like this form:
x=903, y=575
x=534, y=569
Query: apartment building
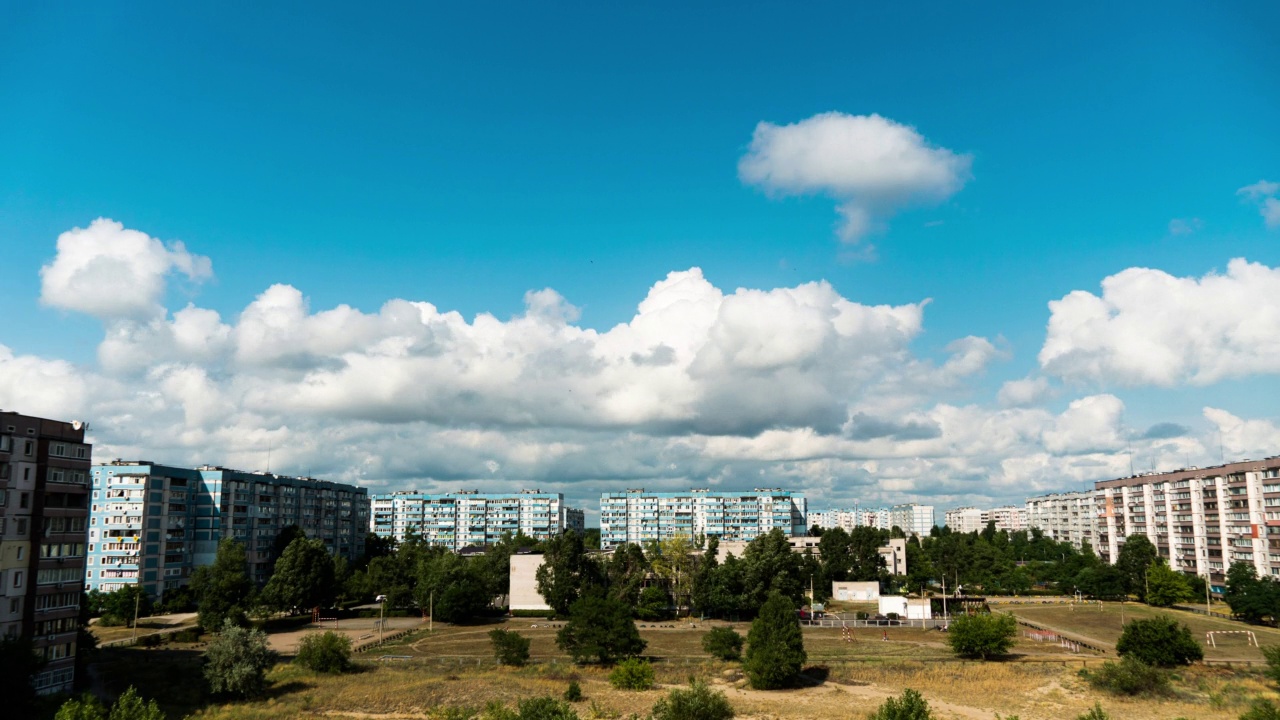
x=154, y=524
x=635, y=516
x=1201, y=520
x=460, y=519
x=912, y=518
x=44, y=475
x=1065, y=517
x=1008, y=518
x=965, y=520
x=846, y=519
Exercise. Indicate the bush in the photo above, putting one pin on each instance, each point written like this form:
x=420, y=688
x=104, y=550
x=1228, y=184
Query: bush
x=723, y=642
x=983, y=635
x=911, y=706
x=1160, y=641
x=1272, y=654
x=129, y=706
x=545, y=708
x=573, y=693
x=775, y=645
x=509, y=647
x=85, y=707
x=632, y=674
x=1261, y=710
x=1095, y=713
x=1130, y=676
x=699, y=702
x=862, y=615
x=237, y=661
x=533, y=613
x=326, y=652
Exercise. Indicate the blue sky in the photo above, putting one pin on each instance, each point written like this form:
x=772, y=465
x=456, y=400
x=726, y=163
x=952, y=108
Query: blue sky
x=465, y=155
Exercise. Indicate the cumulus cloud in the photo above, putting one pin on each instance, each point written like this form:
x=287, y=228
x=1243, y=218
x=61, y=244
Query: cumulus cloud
x=1151, y=328
x=1264, y=193
x=110, y=272
x=871, y=165
x=701, y=386
x=1184, y=226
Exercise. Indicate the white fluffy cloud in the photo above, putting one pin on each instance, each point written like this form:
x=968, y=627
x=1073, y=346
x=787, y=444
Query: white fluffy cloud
x=1151, y=328
x=1264, y=194
x=795, y=386
x=871, y=165
x=110, y=272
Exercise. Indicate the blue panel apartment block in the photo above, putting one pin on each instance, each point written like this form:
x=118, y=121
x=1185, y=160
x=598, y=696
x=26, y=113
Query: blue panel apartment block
x=635, y=516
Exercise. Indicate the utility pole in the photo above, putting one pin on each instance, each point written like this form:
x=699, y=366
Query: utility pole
x=431, y=609
x=136, y=599
x=381, y=613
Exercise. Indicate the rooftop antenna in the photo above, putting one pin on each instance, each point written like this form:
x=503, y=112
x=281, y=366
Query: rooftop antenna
x=1129, y=442
x=1222, y=455
x=268, y=456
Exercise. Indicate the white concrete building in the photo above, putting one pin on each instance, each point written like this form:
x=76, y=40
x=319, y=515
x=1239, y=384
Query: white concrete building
x=459, y=519
x=912, y=518
x=965, y=520
x=1065, y=517
x=523, y=593
x=1201, y=520
x=1008, y=518
x=635, y=516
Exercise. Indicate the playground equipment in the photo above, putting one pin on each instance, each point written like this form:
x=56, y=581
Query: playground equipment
x=1253, y=639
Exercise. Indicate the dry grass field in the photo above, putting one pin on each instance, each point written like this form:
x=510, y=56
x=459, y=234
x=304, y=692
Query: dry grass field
x=1104, y=626
x=450, y=672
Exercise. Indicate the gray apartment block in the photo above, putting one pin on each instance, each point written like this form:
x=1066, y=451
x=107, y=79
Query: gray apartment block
x=44, y=485
x=461, y=519
x=155, y=524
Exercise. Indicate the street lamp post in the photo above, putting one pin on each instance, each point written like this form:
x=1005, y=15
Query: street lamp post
x=382, y=611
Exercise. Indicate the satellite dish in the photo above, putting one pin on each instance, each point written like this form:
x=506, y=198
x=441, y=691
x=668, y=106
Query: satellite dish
x=76, y=424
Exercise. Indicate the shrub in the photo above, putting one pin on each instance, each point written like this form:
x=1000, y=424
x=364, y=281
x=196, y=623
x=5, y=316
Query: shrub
x=911, y=706
x=573, y=693
x=546, y=708
x=723, y=642
x=775, y=646
x=1261, y=710
x=1272, y=654
x=509, y=647
x=982, y=635
x=632, y=674
x=699, y=702
x=131, y=706
x=1160, y=641
x=326, y=652
x=862, y=615
x=237, y=661
x=85, y=707
x=1130, y=676
x=1095, y=713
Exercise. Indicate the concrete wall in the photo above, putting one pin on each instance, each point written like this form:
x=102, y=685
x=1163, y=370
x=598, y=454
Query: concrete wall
x=524, y=584
x=855, y=591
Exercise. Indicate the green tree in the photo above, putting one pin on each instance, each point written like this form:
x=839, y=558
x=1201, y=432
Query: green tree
x=223, y=588
x=626, y=571
x=770, y=566
x=118, y=607
x=509, y=647
x=567, y=572
x=303, y=577
x=283, y=540
x=982, y=635
x=237, y=660
x=544, y=708
x=327, y=652
x=699, y=702
x=599, y=628
x=131, y=706
x=653, y=604
x=673, y=563
x=460, y=591
x=1166, y=586
x=1160, y=641
x=723, y=642
x=775, y=645
x=1251, y=598
x=911, y=706
x=85, y=707
x=1136, y=555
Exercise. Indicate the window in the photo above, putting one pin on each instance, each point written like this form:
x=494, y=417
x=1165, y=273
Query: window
x=30, y=449
x=17, y=579
x=22, y=527
x=24, y=500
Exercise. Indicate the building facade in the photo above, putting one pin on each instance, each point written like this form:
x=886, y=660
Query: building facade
x=460, y=519
x=635, y=516
x=44, y=489
x=1065, y=517
x=1008, y=518
x=965, y=520
x=846, y=519
x=1201, y=520
x=912, y=518
x=154, y=524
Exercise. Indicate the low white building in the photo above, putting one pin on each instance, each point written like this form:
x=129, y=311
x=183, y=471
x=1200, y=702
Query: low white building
x=524, y=583
x=906, y=608
x=855, y=591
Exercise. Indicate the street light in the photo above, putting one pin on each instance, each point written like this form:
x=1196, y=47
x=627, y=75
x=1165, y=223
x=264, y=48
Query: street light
x=382, y=609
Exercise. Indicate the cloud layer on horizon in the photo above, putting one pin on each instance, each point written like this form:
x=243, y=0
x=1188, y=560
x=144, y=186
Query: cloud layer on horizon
x=794, y=386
